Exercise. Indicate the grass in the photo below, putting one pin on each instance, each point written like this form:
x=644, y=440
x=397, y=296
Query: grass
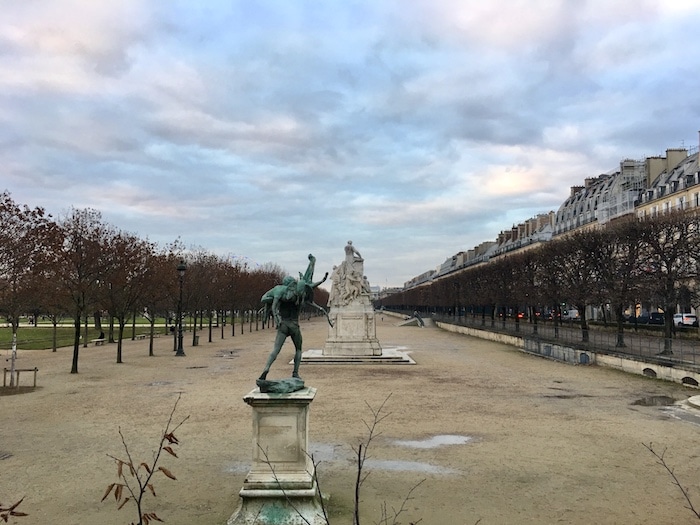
x=41, y=337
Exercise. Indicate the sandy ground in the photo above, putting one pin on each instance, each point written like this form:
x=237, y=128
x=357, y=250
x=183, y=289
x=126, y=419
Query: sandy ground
x=544, y=442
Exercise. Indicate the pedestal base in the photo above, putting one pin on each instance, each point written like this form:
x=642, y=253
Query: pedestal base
x=352, y=348
x=276, y=507
x=354, y=331
x=389, y=356
x=280, y=488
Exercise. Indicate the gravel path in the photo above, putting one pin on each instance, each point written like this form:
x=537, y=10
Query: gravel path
x=499, y=436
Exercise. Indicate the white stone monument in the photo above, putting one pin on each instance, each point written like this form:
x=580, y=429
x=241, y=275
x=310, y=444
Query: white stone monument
x=354, y=331
x=280, y=487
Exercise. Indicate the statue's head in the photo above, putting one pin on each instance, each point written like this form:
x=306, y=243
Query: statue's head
x=288, y=280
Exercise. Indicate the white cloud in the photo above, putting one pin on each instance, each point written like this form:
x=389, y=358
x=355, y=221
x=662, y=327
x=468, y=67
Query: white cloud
x=267, y=128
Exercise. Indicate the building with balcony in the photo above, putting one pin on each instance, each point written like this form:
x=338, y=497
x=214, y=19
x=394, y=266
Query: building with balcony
x=675, y=186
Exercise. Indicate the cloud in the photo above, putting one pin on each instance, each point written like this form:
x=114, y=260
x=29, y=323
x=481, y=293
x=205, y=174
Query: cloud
x=270, y=129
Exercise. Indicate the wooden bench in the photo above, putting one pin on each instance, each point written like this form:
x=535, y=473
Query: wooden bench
x=98, y=342
x=17, y=371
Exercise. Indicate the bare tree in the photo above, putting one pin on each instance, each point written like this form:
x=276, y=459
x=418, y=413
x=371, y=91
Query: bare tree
x=575, y=273
x=80, y=265
x=125, y=277
x=24, y=239
x=617, y=257
x=669, y=258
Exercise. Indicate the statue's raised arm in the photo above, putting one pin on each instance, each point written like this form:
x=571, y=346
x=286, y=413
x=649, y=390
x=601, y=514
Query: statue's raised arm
x=284, y=302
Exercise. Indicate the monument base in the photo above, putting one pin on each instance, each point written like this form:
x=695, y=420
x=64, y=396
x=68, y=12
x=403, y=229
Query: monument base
x=352, y=347
x=389, y=356
x=280, y=488
x=354, y=330
x=277, y=507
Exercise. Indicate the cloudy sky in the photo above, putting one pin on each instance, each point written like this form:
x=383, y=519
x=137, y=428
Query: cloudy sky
x=266, y=130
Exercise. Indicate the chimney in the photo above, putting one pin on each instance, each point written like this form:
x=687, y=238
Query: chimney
x=575, y=190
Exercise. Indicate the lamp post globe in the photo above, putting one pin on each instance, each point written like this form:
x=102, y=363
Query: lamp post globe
x=181, y=269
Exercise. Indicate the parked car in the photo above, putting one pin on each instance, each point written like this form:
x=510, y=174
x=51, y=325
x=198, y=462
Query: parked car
x=685, y=320
x=656, y=318
x=570, y=315
x=642, y=319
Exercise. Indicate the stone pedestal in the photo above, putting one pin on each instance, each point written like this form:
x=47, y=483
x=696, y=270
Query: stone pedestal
x=280, y=487
x=354, y=330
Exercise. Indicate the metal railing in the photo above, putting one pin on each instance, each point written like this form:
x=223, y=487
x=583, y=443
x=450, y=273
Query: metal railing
x=640, y=343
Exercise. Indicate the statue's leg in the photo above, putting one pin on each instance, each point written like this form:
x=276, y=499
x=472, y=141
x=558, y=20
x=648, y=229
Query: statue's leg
x=279, y=341
x=296, y=339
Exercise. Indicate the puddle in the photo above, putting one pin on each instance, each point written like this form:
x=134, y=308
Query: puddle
x=436, y=441
x=237, y=467
x=655, y=401
x=326, y=452
x=683, y=412
x=160, y=383
x=407, y=466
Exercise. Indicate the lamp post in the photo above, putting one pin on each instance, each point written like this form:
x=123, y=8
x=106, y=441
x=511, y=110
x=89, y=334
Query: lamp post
x=181, y=268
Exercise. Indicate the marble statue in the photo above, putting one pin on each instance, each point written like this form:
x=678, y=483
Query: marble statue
x=347, y=280
x=353, y=327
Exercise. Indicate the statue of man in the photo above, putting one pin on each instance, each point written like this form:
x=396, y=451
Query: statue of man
x=285, y=310
x=284, y=302
x=351, y=253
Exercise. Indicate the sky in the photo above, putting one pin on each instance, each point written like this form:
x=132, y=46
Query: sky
x=267, y=130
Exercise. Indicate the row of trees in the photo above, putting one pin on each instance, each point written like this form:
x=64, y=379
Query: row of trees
x=78, y=266
x=652, y=262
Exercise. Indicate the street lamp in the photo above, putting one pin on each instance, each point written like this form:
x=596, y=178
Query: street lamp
x=181, y=268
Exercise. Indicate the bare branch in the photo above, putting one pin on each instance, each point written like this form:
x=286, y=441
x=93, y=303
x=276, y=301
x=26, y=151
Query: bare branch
x=662, y=461
x=143, y=472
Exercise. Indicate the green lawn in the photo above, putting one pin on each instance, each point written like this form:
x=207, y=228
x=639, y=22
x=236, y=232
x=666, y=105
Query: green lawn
x=41, y=337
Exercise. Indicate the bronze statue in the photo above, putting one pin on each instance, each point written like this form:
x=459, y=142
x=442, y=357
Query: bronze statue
x=283, y=303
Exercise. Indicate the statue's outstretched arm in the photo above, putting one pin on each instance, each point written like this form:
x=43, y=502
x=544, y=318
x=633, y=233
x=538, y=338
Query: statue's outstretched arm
x=314, y=285
x=321, y=309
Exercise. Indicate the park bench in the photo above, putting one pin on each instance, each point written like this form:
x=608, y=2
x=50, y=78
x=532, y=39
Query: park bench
x=141, y=336
x=17, y=371
x=98, y=342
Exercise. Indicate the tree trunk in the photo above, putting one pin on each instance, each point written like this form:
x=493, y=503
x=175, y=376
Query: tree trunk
x=13, y=357
x=194, y=329
x=120, y=336
x=620, y=322
x=54, y=321
x=151, y=334
x=76, y=341
x=584, y=322
x=111, y=328
x=98, y=321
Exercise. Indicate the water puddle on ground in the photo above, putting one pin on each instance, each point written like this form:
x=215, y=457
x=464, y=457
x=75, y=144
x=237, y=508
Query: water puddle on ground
x=655, y=401
x=436, y=441
x=237, y=467
x=407, y=466
x=329, y=453
x=684, y=411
